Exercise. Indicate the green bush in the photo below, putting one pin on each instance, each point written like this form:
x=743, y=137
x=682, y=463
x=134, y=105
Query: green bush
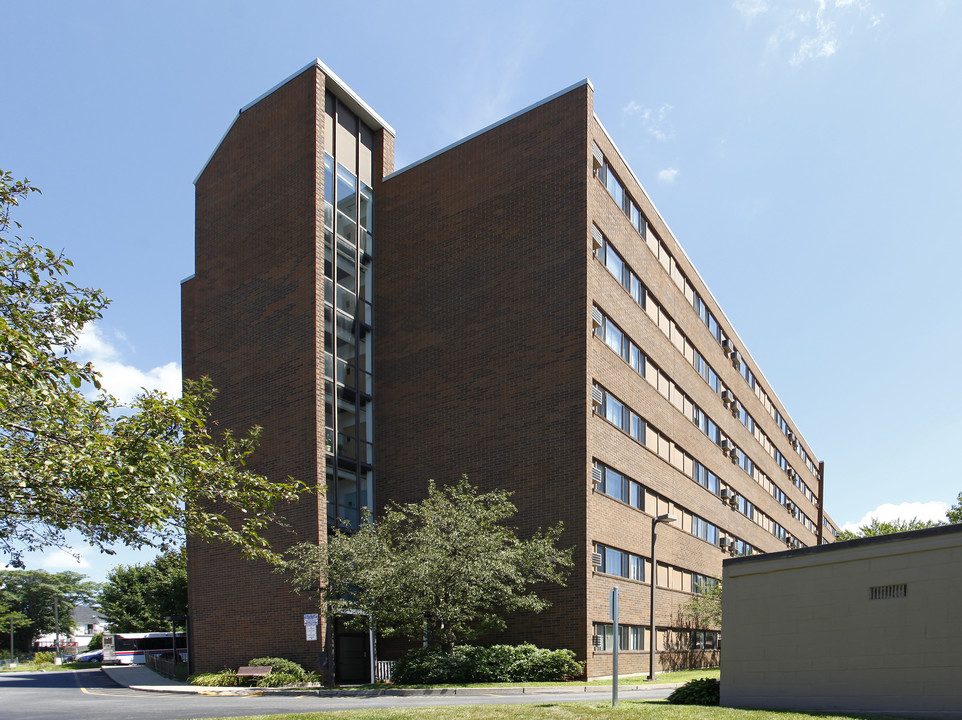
x=277, y=679
x=704, y=691
x=473, y=664
x=548, y=666
x=44, y=656
x=96, y=642
x=431, y=666
x=224, y=678
x=283, y=666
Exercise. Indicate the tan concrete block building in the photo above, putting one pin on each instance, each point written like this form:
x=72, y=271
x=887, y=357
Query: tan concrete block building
x=525, y=316
x=869, y=625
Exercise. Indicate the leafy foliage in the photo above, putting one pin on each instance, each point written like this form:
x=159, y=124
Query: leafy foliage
x=472, y=664
x=279, y=679
x=703, y=610
x=704, y=691
x=281, y=665
x=43, y=657
x=31, y=594
x=138, y=475
x=879, y=527
x=224, y=678
x=135, y=598
x=446, y=564
x=283, y=672
x=954, y=515
x=96, y=642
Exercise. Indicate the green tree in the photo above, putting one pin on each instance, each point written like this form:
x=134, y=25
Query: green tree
x=31, y=593
x=137, y=475
x=954, y=514
x=703, y=611
x=447, y=563
x=880, y=527
x=136, y=598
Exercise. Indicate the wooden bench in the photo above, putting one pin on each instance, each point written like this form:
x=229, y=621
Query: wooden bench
x=253, y=671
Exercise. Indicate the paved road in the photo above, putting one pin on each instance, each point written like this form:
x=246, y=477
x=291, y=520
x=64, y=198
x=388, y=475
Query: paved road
x=91, y=695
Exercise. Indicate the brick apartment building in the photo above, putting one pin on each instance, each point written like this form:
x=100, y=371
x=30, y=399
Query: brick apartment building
x=512, y=307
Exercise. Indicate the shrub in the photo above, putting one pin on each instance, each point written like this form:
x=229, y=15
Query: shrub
x=277, y=679
x=704, y=691
x=96, y=642
x=498, y=663
x=224, y=678
x=281, y=665
x=431, y=665
x=548, y=666
x=44, y=656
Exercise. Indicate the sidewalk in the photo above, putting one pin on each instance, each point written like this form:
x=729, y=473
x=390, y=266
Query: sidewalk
x=139, y=677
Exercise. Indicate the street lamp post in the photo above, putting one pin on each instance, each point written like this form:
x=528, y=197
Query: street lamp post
x=654, y=583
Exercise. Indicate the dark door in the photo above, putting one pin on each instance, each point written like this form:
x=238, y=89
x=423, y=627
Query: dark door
x=353, y=660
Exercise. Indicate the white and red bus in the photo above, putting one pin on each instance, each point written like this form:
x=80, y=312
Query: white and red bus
x=132, y=648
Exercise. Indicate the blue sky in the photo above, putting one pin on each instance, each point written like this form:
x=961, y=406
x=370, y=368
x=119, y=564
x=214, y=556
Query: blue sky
x=806, y=154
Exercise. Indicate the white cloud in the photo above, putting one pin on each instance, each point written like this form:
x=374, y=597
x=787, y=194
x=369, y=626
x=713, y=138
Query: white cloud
x=654, y=121
x=934, y=511
x=64, y=560
x=121, y=380
x=808, y=30
x=667, y=175
x=750, y=8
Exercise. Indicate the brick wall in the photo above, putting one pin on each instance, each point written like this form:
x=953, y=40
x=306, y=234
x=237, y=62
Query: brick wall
x=480, y=330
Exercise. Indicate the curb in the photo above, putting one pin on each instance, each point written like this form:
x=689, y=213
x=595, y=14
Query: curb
x=387, y=692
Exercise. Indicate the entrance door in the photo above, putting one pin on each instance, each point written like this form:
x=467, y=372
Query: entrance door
x=353, y=660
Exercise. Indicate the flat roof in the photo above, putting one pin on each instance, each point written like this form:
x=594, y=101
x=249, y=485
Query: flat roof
x=955, y=528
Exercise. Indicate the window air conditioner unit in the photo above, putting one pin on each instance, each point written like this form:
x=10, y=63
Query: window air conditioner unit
x=724, y=542
x=726, y=494
x=597, y=396
x=596, y=475
x=596, y=559
x=726, y=446
x=736, y=409
x=727, y=397
x=728, y=347
x=595, y=317
x=736, y=360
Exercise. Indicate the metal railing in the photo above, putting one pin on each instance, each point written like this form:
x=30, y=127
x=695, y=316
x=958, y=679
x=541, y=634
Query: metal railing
x=383, y=670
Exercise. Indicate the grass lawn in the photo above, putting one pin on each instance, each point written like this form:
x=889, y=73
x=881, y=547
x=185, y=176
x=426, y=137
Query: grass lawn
x=645, y=709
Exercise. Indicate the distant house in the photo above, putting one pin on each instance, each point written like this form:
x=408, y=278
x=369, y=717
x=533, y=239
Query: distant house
x=87, y=622
x=869, y=625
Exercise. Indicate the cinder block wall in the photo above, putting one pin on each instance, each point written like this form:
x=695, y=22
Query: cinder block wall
x=803, y=632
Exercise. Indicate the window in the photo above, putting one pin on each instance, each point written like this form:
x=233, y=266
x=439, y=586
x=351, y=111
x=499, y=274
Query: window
x=620, y=487
x=702, y=583
x=620, y=562
x=631, y=637
x=705, y=640
x=614, y=411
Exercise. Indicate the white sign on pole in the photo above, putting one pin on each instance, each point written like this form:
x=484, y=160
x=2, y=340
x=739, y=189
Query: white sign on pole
x=311, y=632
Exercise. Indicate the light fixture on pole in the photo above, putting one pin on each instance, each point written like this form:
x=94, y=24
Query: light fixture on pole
x=654, y=582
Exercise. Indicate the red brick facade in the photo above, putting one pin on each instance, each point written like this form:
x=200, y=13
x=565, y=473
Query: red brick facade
x=485, y=356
